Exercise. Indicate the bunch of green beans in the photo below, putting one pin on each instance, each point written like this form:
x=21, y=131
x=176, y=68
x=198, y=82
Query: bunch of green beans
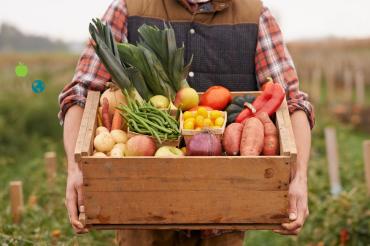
x=144, y=118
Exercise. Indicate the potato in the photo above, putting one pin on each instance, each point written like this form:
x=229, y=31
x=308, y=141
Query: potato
x=100, y=129
x=104, y=142
x=116, y=153
x=232, y=138
x=99, y=154
x=119, y=136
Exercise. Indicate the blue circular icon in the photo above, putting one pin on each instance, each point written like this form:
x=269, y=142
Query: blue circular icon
x=38, y=86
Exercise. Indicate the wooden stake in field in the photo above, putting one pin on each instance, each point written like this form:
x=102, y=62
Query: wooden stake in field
x=316, y=85
x=360, y=88
x=332, y=156
x=330, y=80
x=16, y=200
x=348, y=85
x=50, y=166
x=367, y=164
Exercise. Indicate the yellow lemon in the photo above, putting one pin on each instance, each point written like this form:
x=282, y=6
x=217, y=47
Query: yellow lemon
x=189, y=124
x=219, y=121
x=188, y=114
x=207, y=123
x=216, y=114
x=199, y=121
x=203, y=112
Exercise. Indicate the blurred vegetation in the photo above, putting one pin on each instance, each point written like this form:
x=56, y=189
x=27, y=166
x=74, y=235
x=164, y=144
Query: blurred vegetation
x=12, y=39
x=29, y=127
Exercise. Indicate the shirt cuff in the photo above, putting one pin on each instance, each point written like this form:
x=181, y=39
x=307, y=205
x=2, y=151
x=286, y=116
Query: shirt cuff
x=305, y=107
x=67, y=106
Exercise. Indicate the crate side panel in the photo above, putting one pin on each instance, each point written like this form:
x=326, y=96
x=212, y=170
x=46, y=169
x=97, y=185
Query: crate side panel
x=184, y=207
x=186, y=190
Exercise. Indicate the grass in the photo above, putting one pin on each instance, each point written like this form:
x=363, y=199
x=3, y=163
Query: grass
x=29, y=128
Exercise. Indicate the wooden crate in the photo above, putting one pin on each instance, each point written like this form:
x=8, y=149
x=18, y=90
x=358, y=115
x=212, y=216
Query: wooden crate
x=184, y=193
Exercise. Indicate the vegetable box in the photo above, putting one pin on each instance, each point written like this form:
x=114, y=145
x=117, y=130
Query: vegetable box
x=220, y=192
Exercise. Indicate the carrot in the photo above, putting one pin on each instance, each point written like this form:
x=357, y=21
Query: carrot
x=117, y=120
x=252, y=138
x=271, y=141
x=105, y=115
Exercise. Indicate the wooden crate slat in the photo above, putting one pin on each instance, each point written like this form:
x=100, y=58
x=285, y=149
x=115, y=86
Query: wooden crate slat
x=176, y=207
x=88, y=123
x=283, y=132
x=160, y=174
x=92, y=110
x=290, y=139
x=185, y=167
x=243, y=227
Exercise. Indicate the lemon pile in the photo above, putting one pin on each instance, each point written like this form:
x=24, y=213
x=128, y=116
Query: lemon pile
x=203, y=119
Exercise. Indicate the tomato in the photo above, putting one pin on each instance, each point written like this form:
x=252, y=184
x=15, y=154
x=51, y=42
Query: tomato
x=216, y=97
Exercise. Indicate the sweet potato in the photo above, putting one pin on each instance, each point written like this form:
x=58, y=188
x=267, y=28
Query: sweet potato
x=231, y=139
x=252, y=138
x=271, y=141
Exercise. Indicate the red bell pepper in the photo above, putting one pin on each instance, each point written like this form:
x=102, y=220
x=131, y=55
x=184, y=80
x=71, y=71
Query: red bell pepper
x=269, y=101
x=275, y=101
x=267, y=84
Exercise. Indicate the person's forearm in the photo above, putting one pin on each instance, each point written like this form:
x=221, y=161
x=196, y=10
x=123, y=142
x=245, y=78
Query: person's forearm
x=302, y=134
x=72, y=122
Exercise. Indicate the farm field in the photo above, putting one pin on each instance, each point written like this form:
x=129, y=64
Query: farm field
x=29, y=127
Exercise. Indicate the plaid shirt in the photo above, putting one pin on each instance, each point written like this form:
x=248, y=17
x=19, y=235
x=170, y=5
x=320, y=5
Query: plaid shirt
x=272, y=60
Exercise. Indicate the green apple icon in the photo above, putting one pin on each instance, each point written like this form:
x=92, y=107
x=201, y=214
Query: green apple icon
x=21, y=70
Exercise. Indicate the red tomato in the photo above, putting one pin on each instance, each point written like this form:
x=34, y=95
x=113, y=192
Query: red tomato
x=216, y=97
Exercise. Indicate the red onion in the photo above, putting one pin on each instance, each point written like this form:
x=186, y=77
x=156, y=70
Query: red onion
x=204, y=144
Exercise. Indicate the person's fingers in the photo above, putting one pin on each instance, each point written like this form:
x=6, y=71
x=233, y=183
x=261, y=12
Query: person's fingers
x=79, y=197
x=298, y=223
x=292, y=207
x=81, y=231
x=71, y=204
x=286, y=232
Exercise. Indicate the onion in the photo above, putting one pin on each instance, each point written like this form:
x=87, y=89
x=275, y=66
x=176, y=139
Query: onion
x=204, y=144
x=115, y=98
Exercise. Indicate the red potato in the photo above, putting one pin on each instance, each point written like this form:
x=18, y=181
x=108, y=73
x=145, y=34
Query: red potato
x=140, y=145
x=232, y=138
x=252, y=140
x=271, y=141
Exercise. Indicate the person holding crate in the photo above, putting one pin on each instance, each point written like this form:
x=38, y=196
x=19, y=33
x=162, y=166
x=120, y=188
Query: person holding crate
x=236, y=44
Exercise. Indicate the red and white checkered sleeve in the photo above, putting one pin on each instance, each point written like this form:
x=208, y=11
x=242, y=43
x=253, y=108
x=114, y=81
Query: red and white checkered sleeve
x=90, y=73
x=274, y=60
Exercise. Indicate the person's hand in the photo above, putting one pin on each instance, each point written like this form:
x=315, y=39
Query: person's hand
x=74, y=199
x=298, y=207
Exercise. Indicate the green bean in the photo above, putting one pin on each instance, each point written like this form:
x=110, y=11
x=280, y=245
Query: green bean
x=148, y=122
